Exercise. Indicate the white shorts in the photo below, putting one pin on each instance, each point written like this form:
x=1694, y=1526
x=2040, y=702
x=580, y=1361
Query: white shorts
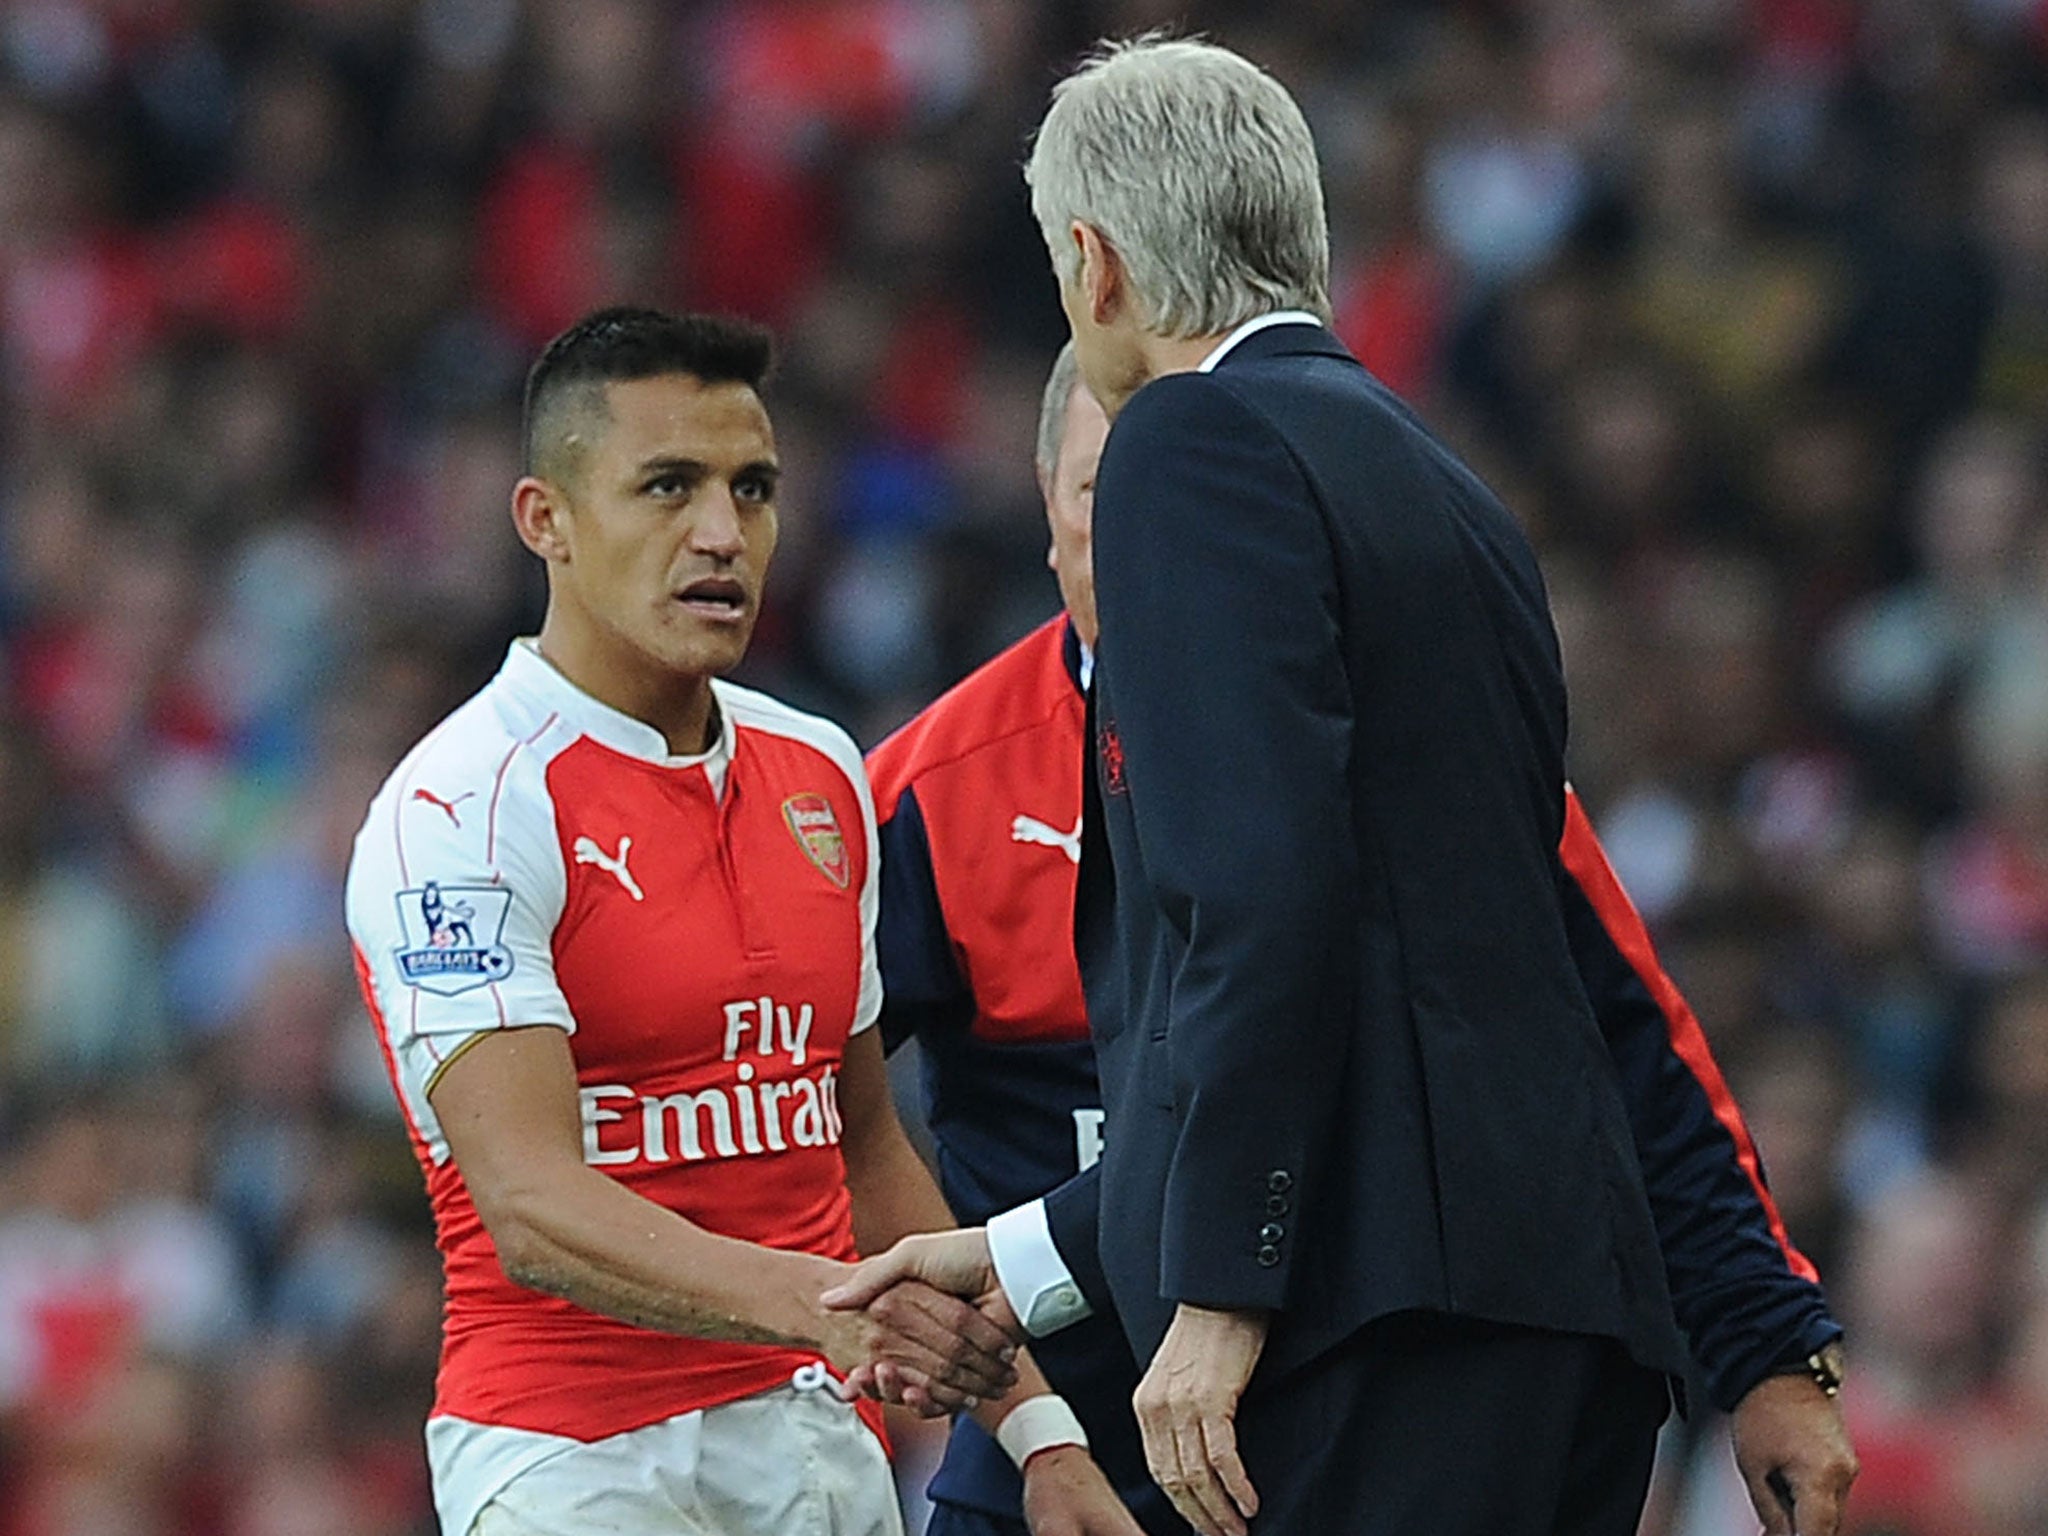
x=794, y=1461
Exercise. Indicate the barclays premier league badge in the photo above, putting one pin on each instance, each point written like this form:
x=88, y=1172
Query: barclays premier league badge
x=453, y=937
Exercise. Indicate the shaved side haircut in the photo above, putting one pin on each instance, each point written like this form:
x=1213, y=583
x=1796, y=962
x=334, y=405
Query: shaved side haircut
x=565, y=387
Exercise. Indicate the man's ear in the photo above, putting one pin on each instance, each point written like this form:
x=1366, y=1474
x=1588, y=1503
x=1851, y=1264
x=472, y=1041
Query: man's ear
x=1052, y=548
x=1104, y=283
x=539, y=510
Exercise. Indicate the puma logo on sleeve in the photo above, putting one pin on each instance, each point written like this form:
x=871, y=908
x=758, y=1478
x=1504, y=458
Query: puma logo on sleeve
x=1029, y=829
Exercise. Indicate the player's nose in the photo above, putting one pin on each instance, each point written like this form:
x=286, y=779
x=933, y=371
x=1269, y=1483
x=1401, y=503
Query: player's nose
x=715, y=530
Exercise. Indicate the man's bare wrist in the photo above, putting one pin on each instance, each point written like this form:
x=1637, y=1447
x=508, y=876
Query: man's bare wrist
x=1050, y=1455
x=788, y=1291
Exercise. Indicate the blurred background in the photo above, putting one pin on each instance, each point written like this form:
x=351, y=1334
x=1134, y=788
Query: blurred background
x=1742, y=304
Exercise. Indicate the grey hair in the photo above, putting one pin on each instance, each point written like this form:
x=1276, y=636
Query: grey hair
x=1052, y=410
x=1198, y=168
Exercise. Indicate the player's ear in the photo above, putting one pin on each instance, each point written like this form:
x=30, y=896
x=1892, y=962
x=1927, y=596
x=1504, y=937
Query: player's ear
x=1052, y=544
x=539, y=511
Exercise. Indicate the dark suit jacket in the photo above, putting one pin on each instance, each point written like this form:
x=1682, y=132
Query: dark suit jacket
x=1348, y=1065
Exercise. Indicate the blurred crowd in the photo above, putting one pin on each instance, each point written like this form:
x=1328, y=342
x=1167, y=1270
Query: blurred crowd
x=1742, y=304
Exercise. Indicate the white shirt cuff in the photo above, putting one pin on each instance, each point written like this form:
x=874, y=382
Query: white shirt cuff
x=1033, y=1275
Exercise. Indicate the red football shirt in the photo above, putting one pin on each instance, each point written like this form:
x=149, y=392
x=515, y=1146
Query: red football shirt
x=703, y=928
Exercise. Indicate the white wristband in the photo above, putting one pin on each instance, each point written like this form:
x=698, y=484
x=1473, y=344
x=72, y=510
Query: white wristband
x=1038, y=1424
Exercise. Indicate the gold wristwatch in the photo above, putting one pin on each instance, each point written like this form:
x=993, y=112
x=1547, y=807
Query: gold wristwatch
x=1826, y=1366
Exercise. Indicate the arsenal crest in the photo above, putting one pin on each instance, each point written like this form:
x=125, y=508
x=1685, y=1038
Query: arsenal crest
x=815, y=826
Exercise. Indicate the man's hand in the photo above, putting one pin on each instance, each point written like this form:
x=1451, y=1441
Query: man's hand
x=1187, y=1409
x=954, y=1266
x=955, y=1262
x=1065, y=1494
x=1789, y=1435
x=932, y=1352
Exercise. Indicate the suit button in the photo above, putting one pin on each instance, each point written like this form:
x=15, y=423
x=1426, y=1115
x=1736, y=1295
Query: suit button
x=1276, y=1205
x=1267, y=1256
x=1272, y=1232
x=1279, y=1181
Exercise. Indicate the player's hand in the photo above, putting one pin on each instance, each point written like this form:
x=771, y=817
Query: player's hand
x=1187, y=1410
x=956, y=1262
x=1066, y=1494
x=1789, y=1436
x=914, y=1345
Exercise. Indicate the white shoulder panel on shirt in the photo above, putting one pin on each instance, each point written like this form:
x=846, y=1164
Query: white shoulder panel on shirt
x=455, y=888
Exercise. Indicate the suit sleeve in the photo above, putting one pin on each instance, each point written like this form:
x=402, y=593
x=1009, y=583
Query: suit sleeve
x=922, y=988
x=1072, y=1211
x=1749, y=1301
x=1046, y=1258
x=1228, y=698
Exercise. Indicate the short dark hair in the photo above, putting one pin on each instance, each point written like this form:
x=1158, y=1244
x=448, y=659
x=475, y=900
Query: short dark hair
x=625, y=342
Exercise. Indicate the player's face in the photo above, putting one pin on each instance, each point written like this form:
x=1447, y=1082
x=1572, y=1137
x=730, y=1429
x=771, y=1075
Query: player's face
x=1070, y=508
x=671, y=521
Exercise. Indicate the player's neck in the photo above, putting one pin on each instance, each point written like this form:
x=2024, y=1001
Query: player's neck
x=677, y=704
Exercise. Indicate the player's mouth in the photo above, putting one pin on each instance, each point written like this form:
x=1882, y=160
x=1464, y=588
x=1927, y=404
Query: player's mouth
x=720, y=599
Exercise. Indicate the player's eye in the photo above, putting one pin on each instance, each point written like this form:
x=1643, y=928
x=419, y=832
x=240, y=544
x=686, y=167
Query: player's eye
x=674, y=484
x=754, y=487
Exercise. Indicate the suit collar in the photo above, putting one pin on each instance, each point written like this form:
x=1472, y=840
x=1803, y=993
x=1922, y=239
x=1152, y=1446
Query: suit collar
x=1253, y=327
x=1294, y=339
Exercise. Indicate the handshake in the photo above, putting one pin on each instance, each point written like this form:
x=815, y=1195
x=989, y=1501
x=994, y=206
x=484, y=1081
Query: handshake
x=926, y=1325
x=933, y=1330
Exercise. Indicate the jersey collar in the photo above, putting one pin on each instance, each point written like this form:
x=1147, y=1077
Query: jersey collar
x=532, y=675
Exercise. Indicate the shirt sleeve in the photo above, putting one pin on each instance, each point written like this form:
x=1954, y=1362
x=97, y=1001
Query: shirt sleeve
x=1042, y=1290
x=869, y=1008
x=924, y=991
x=1748, y=1299
x=452, y=901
